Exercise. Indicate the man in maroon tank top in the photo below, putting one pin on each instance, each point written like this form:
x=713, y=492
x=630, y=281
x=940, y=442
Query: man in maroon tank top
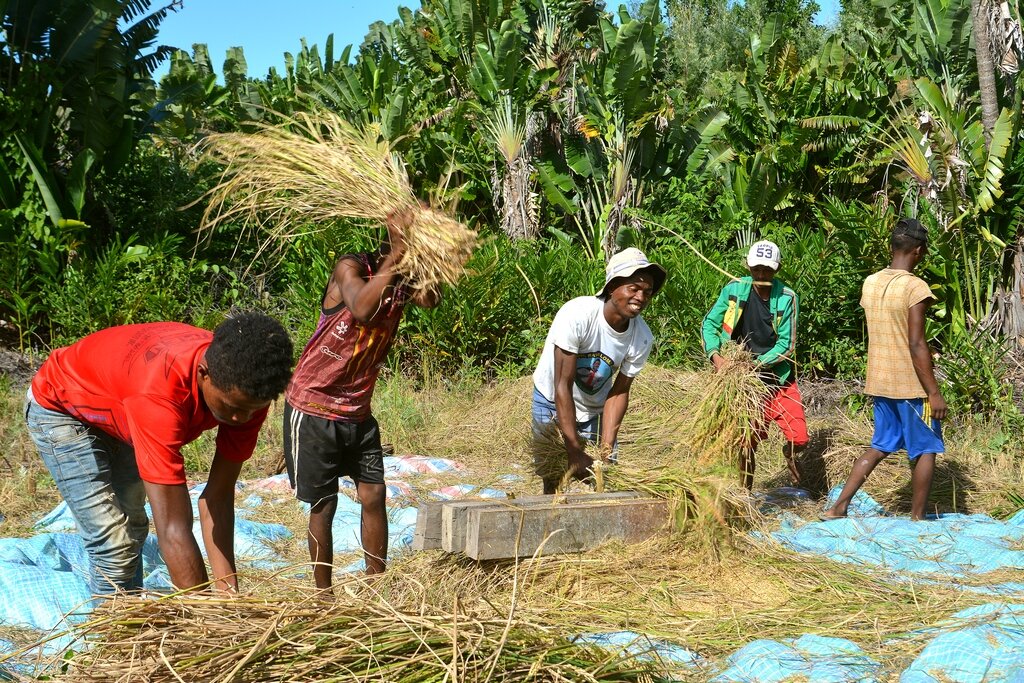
x=328, y=429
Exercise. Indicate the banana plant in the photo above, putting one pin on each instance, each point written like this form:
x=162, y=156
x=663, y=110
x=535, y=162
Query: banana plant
x=799, y=125
x=79, y=69
x=941, y=146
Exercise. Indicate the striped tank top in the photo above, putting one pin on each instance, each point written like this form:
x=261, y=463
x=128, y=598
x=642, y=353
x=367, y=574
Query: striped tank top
x=338, y=369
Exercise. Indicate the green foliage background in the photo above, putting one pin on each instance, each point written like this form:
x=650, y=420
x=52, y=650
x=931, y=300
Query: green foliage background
x=722, y=122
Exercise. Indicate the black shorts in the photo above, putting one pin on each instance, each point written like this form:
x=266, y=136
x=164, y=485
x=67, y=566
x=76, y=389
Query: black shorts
x=318, y=451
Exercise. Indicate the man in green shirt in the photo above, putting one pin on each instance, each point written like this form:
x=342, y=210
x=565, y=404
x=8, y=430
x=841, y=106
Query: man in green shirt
x=759, y=312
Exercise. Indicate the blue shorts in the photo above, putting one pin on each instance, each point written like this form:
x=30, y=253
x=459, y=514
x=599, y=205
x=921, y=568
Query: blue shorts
x=546, y=427
x=906, y=423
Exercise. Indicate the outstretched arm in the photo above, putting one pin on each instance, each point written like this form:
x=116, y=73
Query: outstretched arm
x=217, y=519
x=922, y=358
x=614, y=410
x=172, y=517
x=565, y=410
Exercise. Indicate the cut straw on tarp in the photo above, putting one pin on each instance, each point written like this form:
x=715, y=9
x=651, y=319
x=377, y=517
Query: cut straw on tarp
x=311, y=170
x=356, y=638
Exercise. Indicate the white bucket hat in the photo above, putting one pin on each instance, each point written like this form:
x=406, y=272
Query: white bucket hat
x=629, y=261
x=764, y=253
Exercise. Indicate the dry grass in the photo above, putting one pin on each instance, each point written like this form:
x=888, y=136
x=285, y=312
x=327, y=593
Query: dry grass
x=486, y=429
x=505, y=621
x=359, y=637
x=705, y=506
x=314, y=169
x=972, y=476
x=441, y=615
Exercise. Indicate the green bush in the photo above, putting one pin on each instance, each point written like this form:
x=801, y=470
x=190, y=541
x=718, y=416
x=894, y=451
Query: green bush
x=973, y=370
x=128, y=282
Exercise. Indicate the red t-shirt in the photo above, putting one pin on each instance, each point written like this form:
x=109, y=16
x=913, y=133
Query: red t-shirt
x=139, y=383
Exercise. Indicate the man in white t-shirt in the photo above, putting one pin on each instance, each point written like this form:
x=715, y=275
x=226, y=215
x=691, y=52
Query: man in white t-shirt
x=594, y=349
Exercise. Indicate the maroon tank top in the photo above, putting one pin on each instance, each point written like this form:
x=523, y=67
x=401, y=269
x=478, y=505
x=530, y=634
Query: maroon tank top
x=338, y=369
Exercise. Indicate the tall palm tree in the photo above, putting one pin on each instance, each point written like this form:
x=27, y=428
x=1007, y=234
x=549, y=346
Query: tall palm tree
x=986, y=71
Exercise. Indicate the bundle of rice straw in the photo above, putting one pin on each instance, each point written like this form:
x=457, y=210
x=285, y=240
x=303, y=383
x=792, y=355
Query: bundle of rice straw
x=311, y=170
x=726, y=408
x=712, y=505
x=359, y=638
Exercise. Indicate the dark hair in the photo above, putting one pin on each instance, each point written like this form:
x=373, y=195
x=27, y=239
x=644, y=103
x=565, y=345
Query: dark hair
x=251, y=352
x=909, y=234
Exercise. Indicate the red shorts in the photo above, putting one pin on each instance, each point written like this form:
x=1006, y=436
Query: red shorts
x=785, y=407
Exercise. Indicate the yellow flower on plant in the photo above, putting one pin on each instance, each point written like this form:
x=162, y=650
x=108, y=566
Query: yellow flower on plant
x=589, y=130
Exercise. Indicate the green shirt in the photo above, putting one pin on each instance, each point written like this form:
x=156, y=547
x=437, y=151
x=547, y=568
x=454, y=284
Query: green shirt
x=783, y=306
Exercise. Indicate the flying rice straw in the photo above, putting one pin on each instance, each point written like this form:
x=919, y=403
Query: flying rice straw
x=314, y=169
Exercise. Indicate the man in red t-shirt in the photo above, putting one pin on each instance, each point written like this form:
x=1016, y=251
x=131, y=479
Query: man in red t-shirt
x=110, y=414
x=328, y=429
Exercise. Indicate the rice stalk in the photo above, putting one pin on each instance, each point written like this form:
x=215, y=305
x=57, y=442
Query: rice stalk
x=314, y=169
x=727, y=406
x=195, y=638
x=706, y=506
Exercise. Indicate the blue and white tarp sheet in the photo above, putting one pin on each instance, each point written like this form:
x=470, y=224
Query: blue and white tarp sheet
x=43, y=582
x=981, y=644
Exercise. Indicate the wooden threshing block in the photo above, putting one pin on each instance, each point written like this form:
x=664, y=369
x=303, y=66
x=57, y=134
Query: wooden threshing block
x=443, y=524
x=454, y=512
x=495, y=533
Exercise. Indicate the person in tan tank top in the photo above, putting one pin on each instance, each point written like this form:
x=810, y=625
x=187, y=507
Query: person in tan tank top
x=908, y=405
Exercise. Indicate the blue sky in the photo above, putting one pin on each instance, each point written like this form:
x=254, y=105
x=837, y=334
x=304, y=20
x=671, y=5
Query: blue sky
x=269, y=28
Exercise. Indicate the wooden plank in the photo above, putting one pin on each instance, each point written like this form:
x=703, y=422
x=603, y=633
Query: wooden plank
x=434, y=525
x=453, y=520
x=454, y=513
x=494, y=533
x=427, y=535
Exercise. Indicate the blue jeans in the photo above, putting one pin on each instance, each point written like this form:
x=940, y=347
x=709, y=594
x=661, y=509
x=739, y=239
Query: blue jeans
x=544, y=421
x=547, y=444
x=99, y=480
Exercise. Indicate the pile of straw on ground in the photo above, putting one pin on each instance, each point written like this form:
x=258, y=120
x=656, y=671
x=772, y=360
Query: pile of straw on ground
x=437, y=617
x=311, y=170
x=356, y=638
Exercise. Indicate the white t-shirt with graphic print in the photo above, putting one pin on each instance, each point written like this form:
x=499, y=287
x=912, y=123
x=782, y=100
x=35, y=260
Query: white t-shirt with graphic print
x=580, y=327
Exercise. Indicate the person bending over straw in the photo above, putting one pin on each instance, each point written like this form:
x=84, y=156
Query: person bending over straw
x=594, y=349
x=760, y=313
x=110, y=415
x=907, y=402
x=328, y=429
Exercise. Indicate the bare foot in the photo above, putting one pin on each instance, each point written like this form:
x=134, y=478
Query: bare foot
x=830, y=514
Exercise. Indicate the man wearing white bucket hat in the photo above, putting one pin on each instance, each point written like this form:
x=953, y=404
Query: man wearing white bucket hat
x=760, y=312
x=594, y=349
